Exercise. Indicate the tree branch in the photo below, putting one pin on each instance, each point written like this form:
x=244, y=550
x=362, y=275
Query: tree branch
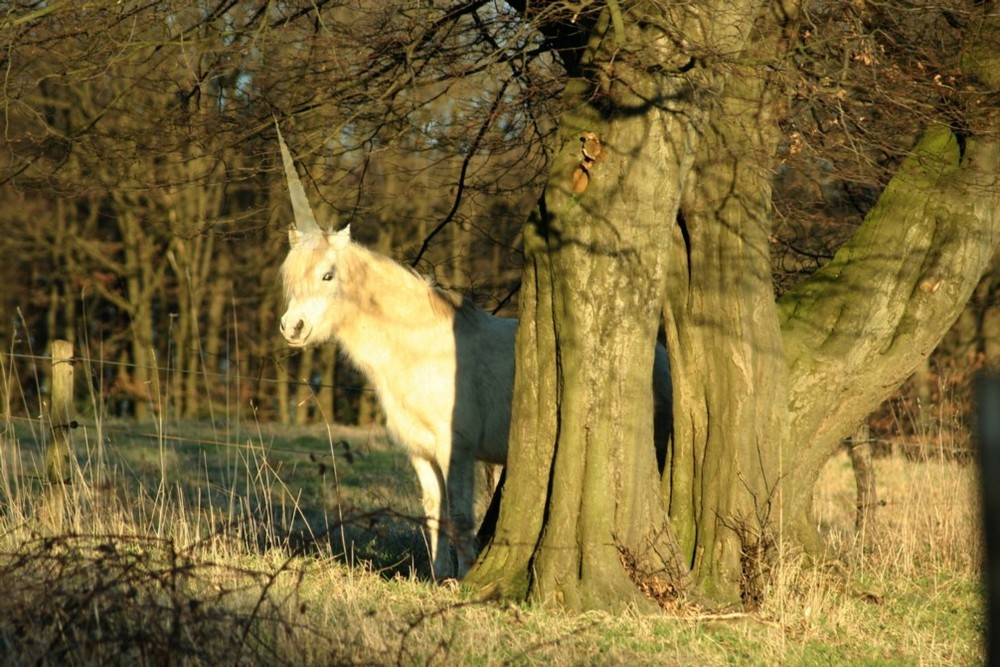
x=857, y=328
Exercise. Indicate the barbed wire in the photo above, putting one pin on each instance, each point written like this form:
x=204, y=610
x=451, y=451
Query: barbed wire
x=174, y=370
x=247, y=444
x=105, y=425
x=257, y=379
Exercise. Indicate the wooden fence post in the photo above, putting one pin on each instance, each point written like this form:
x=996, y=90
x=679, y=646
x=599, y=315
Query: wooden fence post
x=57, y=454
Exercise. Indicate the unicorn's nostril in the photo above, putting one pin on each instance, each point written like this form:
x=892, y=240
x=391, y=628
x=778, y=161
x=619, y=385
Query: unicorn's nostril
x=295, y=328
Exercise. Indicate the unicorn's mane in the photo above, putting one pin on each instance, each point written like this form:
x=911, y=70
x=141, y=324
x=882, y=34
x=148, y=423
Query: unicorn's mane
x=401, y=283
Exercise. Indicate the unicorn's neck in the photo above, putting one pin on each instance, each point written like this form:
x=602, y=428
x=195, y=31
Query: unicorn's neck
x=386, y=313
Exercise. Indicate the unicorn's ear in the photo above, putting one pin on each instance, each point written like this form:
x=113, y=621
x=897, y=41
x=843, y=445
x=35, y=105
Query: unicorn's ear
x=340, y=239
x=294, y=236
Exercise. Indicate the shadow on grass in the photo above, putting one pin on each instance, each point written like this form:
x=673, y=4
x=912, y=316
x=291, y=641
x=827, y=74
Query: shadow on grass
x=338, y=493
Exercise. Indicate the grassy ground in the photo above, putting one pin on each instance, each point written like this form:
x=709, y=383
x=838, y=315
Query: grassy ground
x=190, y=545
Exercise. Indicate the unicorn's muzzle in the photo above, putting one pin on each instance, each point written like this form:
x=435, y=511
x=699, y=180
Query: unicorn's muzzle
x=292, y=329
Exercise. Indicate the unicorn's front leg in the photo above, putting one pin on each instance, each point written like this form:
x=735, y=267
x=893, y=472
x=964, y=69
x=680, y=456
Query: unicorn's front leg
x=433, y=494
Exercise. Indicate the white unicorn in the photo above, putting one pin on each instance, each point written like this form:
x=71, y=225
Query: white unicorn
x=443, y=369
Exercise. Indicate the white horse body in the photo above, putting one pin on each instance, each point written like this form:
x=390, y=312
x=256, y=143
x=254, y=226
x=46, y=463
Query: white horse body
x=443, y=369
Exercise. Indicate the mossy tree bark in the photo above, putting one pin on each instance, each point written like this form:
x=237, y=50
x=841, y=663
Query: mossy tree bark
x=722, y=482
x=586, y=526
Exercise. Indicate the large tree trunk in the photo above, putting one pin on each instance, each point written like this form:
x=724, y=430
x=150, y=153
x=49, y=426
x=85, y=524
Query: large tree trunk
x=584, y=525
x=597, y=259
x=722, y=482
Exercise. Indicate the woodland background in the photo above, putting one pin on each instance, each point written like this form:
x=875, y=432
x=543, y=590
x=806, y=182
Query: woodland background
x=144, y=212
x=217, y=514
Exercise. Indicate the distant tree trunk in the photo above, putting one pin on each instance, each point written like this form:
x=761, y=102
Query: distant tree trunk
x=62, y=303
x=197, y=400
x=222, y=364
x=987, y=316
x=326, y=397
x=193, y=371
x=284, y=382
x=976, y=335
x=860, y=449
x=178, y=331
x=368, y=409
x=924, y=422
x=459, y=258
x=141, y=281
x=303, y=395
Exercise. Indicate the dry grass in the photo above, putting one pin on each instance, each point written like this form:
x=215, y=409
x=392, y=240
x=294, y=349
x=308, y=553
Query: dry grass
x=908, y=591
x=289, y=547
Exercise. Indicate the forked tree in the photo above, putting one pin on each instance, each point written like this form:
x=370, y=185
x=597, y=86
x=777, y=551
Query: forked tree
x=658, y=208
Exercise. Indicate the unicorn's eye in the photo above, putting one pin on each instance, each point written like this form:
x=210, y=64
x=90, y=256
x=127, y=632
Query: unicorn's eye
x=328, y=276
